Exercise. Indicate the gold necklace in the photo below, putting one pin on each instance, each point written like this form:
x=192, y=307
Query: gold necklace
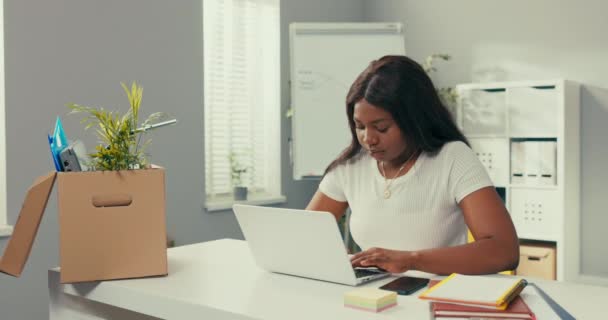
x=388, y=182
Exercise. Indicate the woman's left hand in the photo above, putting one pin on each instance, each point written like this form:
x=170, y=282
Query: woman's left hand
x=392, y=261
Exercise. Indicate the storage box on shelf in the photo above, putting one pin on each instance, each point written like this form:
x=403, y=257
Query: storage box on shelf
x=537, y=260
x=527, y=135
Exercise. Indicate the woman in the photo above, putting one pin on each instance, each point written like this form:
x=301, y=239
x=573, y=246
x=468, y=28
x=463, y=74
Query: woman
x=412, y=182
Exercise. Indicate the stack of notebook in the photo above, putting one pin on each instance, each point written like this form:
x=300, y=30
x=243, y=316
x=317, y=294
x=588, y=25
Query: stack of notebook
x=491, y=297
x=517, y=309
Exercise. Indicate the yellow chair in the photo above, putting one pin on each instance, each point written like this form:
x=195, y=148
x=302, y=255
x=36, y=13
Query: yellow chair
x=471, y=239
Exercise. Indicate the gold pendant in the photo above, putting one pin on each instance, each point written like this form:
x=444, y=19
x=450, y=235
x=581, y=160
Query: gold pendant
x=387, y=194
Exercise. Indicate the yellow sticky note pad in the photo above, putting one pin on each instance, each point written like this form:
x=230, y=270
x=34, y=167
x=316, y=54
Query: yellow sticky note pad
x=370, y=299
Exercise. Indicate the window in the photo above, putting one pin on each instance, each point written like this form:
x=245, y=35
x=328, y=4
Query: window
x=5, y=229
x=242, y=99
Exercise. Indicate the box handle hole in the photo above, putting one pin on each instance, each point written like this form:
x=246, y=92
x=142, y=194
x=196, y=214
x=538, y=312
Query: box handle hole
x=111, y=200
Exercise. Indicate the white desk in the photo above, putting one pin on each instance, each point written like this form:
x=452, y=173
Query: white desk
x=219, y=280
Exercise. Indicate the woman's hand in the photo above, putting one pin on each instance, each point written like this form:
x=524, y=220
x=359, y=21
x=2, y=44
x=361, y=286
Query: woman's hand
x=393, y=261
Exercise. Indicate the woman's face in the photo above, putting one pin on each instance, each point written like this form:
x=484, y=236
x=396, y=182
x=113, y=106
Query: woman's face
x=377, y=132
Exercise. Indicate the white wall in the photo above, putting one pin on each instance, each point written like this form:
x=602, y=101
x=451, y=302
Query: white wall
x=494, y=40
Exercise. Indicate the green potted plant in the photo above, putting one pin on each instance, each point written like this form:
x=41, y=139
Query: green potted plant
x=237, y=170
x=121, y=146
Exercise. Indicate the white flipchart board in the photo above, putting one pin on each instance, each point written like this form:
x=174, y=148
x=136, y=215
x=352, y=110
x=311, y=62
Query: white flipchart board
x=325, y=60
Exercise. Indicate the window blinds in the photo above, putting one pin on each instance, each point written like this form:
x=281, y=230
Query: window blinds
x=242, y=92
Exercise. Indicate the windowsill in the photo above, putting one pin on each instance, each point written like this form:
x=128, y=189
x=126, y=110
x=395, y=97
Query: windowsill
x=225, y=203
x=6, y=231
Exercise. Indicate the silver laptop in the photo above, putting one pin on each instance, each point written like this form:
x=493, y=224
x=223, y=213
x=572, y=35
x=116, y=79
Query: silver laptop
x=300, y=243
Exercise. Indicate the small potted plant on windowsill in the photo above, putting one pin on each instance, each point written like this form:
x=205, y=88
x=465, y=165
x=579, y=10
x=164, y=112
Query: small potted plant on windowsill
x=237, y=170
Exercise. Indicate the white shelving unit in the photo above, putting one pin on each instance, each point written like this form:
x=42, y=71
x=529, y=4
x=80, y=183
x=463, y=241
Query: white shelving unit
x=527, y=134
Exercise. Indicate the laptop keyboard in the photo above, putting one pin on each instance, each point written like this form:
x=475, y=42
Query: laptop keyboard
x=360, y=273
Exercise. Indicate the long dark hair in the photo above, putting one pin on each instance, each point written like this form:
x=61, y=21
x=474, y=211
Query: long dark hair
x=400, y=86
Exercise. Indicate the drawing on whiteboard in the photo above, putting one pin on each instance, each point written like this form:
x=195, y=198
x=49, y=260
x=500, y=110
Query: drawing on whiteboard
x=315, y=80
x=324, y=60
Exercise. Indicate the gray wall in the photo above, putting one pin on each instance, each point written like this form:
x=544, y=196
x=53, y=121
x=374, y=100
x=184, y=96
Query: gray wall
x=78, y=51
x=525, y=40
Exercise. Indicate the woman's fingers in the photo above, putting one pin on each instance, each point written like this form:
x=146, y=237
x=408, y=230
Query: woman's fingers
x=356, y=261
x=372, y=259
x=369, y=258
x=358, y=256
x=387, y=260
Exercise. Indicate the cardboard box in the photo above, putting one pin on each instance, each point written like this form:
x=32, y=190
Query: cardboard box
x=111, y=225
x=537, y=261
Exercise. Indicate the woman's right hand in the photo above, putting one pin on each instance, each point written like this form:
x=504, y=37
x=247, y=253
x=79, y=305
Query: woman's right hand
x=393, y=261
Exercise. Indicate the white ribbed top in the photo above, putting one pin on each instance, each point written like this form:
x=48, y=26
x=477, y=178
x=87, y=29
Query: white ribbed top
x=422, y=211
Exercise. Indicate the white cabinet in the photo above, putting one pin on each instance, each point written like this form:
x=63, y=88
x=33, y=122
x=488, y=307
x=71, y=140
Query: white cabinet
x=494, y=155
x=533, y=111
x=527, y=135
x=484, y=112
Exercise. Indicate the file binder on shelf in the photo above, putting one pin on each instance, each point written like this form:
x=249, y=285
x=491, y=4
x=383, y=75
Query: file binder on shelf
x=531, y=149
x=547, y=165
x=518, y=160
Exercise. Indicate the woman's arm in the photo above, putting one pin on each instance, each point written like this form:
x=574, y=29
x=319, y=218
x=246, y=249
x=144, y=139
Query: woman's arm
x=321, y=202
x=496, y=247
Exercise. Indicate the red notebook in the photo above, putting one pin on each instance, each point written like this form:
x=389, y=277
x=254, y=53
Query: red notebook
x=517, y=309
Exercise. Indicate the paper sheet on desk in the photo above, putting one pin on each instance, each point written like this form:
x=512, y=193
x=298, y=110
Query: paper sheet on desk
x=537, y=304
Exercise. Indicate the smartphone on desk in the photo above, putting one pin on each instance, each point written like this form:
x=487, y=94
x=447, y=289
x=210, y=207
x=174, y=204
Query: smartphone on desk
x=405, y=285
